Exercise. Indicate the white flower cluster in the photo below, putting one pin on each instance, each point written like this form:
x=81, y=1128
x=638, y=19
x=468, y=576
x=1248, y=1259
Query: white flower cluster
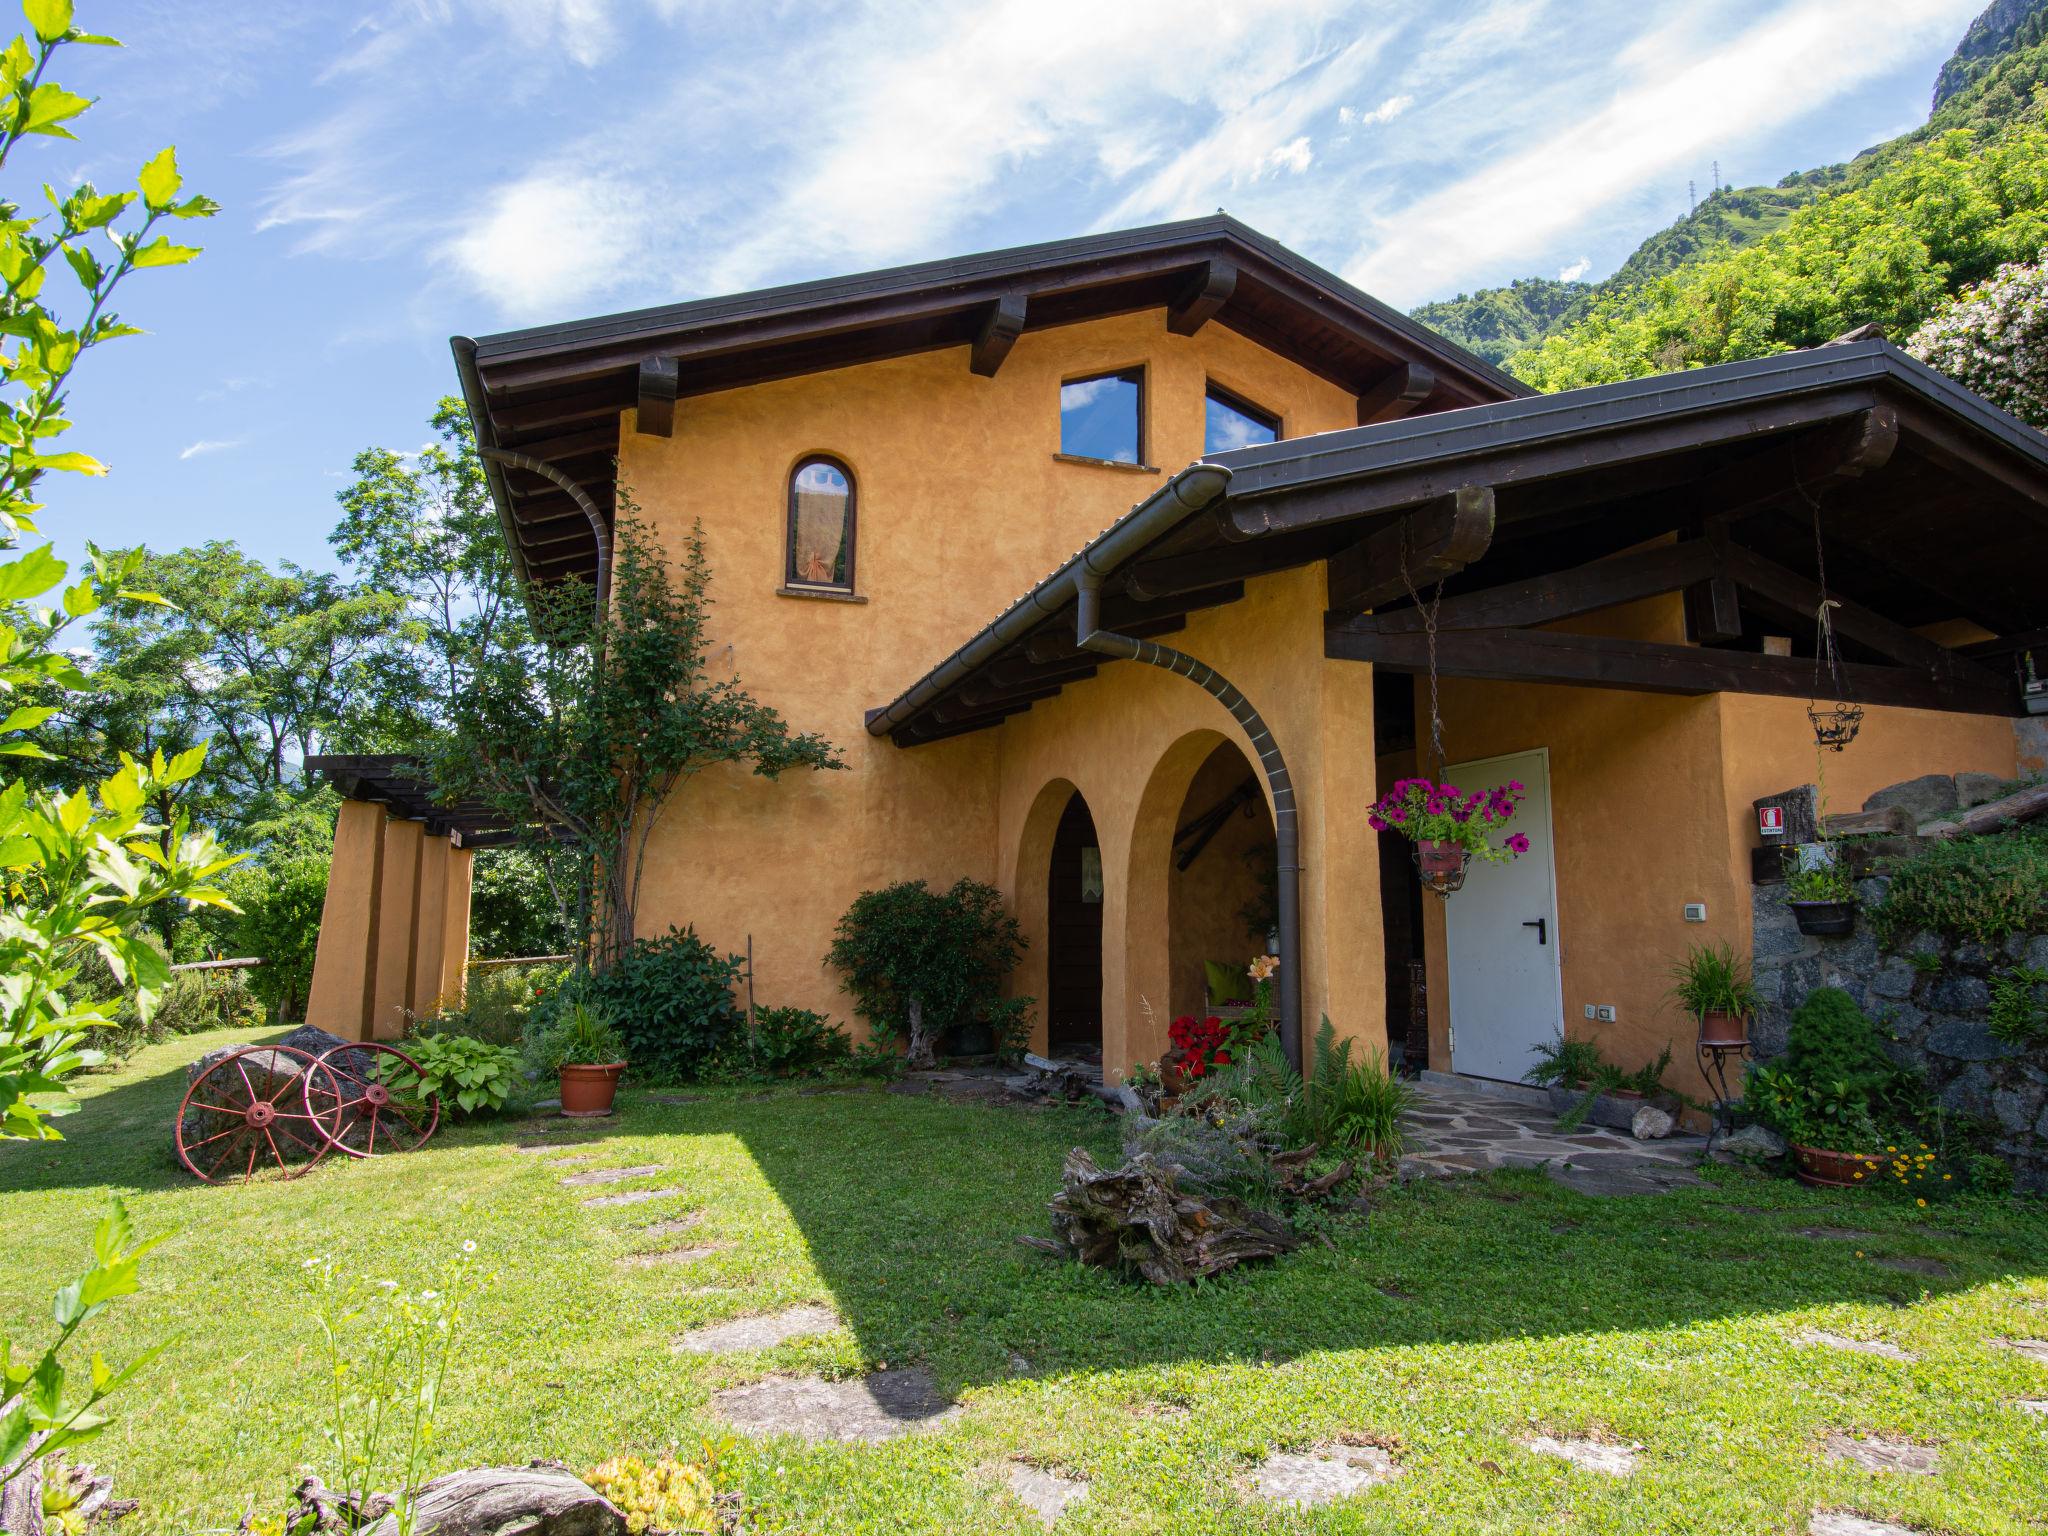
x=1994, y=338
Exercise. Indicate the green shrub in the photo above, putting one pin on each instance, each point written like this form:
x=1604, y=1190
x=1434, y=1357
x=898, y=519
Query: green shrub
x=671, y=999
x=786, y=1042
x=1713, y=979
x=281, y=901
x=190, y=1001
x=1982, y=888
x=2017, y=1015
x=469, y=1076
x=921, y=962
x=497, y=1001
x=1831, y=1041
x=1566, y=1063
x=1345, y=1102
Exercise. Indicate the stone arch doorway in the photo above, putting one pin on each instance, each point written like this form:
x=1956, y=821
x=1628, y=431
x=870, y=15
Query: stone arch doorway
x=1073, y=934
x=1223, y=883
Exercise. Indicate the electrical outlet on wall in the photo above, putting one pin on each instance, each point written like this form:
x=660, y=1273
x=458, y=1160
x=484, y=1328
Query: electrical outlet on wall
x=1591, y=1011
x=1695, y=911
x=1604, y=1013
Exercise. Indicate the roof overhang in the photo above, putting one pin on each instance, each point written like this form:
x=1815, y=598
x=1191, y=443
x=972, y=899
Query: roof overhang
x=558, y=393
x=1934, y=507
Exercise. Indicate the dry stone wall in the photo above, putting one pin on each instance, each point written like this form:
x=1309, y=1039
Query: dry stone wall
x=1933, y=1009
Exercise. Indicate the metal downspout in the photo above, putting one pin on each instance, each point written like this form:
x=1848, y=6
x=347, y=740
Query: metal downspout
x=1286, y=825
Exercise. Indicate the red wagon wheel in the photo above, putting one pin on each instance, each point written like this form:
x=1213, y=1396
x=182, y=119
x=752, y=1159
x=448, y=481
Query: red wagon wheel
x=358, y=1109
x=247, y=1117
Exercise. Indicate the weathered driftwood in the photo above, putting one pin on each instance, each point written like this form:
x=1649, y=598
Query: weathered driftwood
x=86, y=1496
x=1890, y=820
x=543, y=1499
x=1292, y=1168
x=1136, y=1219
x=2023, y=806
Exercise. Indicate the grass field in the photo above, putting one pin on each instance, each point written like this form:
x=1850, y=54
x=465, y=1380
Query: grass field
x=1451, y=1324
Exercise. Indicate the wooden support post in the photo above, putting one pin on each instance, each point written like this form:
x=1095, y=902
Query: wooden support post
x=345, y=959
x=1395, y=393
x=661, y=380
x=424, y=995
x=398, y=895
x=454, y=987
x=1207, y=294
x=1000, y=328
x=1418, y=550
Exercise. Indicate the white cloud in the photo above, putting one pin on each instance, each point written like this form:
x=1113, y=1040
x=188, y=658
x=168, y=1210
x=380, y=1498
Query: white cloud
x=1293, y=157
x=1385, y=112
x=1576, y=270
x=1515, y=205
x=552, y=239
x=209, y=445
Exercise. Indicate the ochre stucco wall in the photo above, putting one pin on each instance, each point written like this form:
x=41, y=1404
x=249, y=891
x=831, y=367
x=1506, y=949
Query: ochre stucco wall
x=1651, y=809
x=961, y=506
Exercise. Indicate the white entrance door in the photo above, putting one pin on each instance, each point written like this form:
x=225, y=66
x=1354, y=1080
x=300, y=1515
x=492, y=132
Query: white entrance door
x=1507, y=988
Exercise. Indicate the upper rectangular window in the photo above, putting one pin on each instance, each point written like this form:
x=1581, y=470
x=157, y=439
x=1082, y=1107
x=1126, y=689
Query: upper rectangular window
x=1104, y=417
x=1231, y=421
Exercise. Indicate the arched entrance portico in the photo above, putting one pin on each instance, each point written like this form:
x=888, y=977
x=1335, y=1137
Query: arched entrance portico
x=1073, y=947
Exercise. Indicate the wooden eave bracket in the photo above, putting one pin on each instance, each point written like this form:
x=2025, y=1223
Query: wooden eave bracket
x=1207, y=294
x=1435, y=541
x=655, y=408
x=1000, y=328
x=1396, y=393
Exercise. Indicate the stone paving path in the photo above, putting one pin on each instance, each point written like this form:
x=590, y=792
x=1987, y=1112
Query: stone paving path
x=1045, y=1494
x=611, y=1175
x=1836, y=1522
x=1307, y=1479
x=1875, y=1455
x=1605, y=1457
x=879, y=1406
x=762, y=1332
x=1454, y=1129
x=627, y=1197
x=1854, y=1346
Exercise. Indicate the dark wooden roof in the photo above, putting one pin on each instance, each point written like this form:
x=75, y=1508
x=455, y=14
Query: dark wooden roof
x=556, y=392
x=394, y=780
x=1951, y=523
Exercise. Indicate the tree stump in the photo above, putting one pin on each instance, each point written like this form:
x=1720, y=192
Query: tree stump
x=1136, y=1219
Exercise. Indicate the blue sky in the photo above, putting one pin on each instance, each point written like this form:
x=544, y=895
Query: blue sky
x=392, y=174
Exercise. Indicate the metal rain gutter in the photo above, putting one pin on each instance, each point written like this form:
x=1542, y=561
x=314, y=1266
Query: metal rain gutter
x=1188, y=492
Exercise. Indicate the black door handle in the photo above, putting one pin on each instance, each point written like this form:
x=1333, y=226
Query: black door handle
x=1542, y=927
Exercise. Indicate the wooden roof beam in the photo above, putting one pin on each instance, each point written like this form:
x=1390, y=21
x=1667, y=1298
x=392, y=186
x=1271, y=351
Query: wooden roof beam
x=659, y=380
x=1548, y=656
x=598, y=439
x=1849, y=450
x=1000, y=328
x=1203, y=298
x=1396, y=393
x=1415, y=551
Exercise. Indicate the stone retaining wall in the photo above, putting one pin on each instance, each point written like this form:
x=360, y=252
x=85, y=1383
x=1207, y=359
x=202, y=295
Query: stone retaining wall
x=1936, y=1016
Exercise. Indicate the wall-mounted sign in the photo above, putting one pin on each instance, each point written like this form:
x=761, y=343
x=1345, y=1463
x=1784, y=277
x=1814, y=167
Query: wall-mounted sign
x=1770, y=820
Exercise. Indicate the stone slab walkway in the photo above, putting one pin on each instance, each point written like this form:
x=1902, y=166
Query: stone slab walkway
x=1456, y=1129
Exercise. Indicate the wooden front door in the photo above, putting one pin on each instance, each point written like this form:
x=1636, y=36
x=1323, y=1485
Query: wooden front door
x=1073, y=962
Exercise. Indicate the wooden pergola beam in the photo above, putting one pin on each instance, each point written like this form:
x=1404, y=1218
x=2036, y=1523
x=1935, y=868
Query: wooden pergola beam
x=1416, y=550
x=1565, y=594
x=1395, y=393
x=1203, y=298
x=1848, y=450
x=660, y=380
x=1000, y=328
x=1587, y=661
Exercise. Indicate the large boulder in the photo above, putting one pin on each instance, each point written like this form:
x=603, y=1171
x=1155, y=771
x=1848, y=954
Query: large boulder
x=1751, y=1144
x=538, y=1500
x=1928, y=797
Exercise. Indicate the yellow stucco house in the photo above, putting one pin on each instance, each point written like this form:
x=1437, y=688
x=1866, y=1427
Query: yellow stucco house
x=1099, y=559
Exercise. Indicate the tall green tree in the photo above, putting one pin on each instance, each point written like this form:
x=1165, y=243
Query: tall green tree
x=421, y=526
x=588, y=740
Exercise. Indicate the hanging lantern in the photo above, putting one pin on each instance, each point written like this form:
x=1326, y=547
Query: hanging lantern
x=1836, y=726
x=1834, y=729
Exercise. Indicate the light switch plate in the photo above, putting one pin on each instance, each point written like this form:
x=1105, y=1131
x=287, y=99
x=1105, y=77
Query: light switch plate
x=1695, y=911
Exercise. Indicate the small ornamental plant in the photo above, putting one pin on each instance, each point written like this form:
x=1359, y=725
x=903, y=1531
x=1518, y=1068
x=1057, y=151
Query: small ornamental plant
x=1428, y=812
x=1199, y=1045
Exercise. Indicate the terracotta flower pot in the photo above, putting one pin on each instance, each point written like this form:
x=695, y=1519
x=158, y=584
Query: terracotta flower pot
x=1825, y=919
x=588, y=1089
x=1833, y=1170
x=1441, y=865
x=1720, y=1028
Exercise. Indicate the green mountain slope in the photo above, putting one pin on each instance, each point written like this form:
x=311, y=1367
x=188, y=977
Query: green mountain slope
x=1987, y=84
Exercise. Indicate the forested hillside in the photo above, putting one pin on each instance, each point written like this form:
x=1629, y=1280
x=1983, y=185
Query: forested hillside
x=1749, y=270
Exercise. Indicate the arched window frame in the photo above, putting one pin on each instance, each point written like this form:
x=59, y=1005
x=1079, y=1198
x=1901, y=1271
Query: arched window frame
x=791, y=579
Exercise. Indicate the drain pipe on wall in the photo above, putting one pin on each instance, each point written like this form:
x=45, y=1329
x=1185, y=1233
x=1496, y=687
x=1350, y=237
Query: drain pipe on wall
x=1286, y=828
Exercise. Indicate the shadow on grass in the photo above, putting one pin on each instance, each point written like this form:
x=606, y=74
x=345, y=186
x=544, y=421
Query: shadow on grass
x=911, y=1209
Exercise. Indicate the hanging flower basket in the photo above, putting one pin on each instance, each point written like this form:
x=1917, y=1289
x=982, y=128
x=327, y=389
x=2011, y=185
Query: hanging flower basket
x=1441, y=865
x=1450, y=827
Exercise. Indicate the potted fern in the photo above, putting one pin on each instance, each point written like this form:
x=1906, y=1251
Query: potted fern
x=583, y=1048
x=1714, y=986
x=1822, y=898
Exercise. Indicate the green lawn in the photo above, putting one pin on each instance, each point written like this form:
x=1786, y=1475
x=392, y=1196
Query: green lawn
x=1452, y=1324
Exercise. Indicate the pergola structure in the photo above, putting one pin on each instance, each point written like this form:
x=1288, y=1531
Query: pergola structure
x=394, y=932
x=1747, y=487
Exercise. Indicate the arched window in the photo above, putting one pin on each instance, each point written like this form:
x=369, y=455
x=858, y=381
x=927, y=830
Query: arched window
x=820, y=553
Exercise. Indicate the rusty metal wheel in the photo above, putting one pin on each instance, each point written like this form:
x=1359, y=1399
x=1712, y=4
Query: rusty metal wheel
x=359, y=1108
x=248, y=1117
